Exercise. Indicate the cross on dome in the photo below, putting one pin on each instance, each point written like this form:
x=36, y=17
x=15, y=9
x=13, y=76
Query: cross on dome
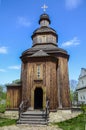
x=44, y=7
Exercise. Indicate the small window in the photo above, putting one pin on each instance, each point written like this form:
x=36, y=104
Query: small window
x=38, y=71
x=83, y=97
x=82, y=82
x=40, y=39
x=44, y=39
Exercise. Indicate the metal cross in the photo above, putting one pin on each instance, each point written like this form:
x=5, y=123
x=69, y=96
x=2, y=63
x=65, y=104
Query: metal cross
x=44, y=7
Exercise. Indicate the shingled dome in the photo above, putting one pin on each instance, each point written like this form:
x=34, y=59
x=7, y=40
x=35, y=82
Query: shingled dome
x=44, y=34
x=44, y=29
x=44, y=17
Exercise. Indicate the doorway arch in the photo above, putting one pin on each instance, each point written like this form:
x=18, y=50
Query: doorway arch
x=38, y=98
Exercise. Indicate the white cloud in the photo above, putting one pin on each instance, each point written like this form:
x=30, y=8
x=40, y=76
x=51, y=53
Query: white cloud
x=71, y=4
x=2, y=70
x=3, y=50
x=73, y=42
x=15, y=67
x=22, y=21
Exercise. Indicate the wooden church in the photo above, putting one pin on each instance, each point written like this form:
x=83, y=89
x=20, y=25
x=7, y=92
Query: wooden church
x=44, y=72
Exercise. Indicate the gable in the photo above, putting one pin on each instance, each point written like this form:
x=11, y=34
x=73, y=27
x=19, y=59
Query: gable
x=39, y=53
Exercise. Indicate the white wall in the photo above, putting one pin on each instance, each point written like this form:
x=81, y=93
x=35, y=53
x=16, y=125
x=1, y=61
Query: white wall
x=82, y=95
x=82, y=82
x=82, y=86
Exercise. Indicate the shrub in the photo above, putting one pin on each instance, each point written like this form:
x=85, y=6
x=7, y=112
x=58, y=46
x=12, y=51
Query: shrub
x=2, y=108
x=83, y=108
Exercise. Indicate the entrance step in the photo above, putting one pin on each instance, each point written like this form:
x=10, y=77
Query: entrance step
x=34, y=117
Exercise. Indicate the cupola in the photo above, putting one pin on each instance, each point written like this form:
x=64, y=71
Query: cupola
x=44, y=34
x=44, y=20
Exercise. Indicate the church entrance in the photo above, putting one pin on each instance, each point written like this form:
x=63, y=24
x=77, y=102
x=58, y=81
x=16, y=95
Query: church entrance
x=38, y=98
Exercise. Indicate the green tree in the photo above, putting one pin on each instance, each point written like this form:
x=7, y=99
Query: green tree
x=17, y=81
x=71, y=95
x=2, y=99
x=76, y=96
x=1, y=90
x=2, y=93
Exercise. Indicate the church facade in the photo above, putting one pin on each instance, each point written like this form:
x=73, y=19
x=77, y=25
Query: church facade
x=44, y=72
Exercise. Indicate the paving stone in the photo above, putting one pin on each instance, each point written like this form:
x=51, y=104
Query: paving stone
x=62, y=115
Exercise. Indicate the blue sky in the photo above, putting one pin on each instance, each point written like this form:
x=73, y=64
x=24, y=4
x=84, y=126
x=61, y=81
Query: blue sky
x=18, y=20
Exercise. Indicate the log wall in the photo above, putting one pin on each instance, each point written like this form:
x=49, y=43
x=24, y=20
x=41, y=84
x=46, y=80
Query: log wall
x=13, y=97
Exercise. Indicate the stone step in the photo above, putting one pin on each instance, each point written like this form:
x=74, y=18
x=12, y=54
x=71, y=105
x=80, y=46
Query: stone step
x=33, y=117
x=38, y=115
x=34, y=112
x=32, y=122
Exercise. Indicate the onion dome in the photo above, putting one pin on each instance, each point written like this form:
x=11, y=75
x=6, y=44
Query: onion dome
x=44, y=17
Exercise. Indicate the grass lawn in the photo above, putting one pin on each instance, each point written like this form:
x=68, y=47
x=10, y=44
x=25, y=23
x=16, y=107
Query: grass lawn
x=77, y=123
x=6, y=122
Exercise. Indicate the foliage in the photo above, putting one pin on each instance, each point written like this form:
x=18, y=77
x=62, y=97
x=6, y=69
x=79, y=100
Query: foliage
x=2, y=99
x=2, y=108
x=8, y=102
x=73, y=84
x=2, y=93
x=17, y=81
x=83, y=108
x=6, y=122
x=77, y=123
x=73, y=93
x=1, y=89
x=73, y=96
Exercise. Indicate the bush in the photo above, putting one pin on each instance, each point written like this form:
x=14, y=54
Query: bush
x=7, y=122
x=2, y=108
x=83, y=108
x=2, y=99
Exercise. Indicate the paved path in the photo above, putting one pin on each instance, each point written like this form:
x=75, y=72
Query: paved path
x=27, y=127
